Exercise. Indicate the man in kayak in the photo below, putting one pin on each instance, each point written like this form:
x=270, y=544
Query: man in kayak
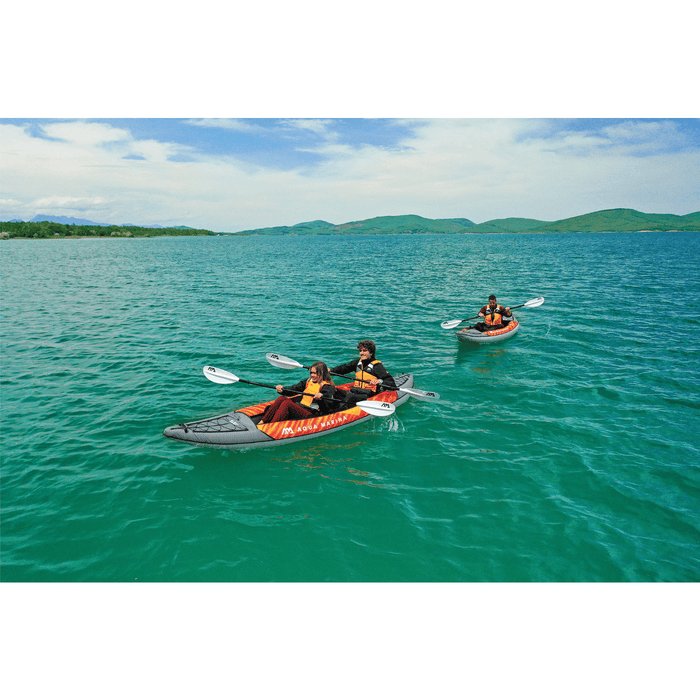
x=493, y=315
x=370, y=374
x=316, y=390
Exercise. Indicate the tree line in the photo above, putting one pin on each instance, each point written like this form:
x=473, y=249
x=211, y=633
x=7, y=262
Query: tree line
x=49, y=229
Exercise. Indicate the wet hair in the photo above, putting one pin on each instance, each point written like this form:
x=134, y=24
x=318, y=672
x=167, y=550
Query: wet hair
x=323, y=372
x=369, y=345
x=492, y=297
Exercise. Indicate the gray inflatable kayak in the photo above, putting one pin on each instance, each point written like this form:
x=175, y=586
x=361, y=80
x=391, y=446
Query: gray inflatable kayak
x=471, y=335
x=240, y=430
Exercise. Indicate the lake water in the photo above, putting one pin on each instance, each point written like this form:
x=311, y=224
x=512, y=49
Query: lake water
x=568, y=453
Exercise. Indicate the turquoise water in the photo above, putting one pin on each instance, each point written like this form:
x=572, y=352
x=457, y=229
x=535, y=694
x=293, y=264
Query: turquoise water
x=569, y=452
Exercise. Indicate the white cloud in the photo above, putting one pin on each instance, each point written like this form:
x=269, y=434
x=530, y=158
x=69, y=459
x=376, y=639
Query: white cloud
x=321, y=127
x=85, y=133
x=230, y=124
x=80, y=203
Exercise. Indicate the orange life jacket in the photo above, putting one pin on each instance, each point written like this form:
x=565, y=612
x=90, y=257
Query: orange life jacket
x=492, y=317
x=311, y=388
x=365, y=374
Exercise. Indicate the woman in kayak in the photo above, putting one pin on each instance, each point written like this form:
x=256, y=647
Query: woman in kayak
x=316, y=390
x=493, y=316
x=370, y=374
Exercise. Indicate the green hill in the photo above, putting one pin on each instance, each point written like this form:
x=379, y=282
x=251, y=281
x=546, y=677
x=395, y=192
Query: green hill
x=512, y=225
x=619, y=220
x=310, y=227
x=381, y=224
x=607, y=220
x=409, y=223
x=612, y=220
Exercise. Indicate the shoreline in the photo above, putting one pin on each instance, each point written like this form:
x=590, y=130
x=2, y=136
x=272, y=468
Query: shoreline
x=312, y=235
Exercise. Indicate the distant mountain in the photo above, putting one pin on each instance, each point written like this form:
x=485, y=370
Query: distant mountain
x=507, y=225
x=620, y=220
x=82, y=222
x=405, y=224
x=306, y=228
x=607, y=220
x=409, y=223
x=65, y=220
x=612, y=220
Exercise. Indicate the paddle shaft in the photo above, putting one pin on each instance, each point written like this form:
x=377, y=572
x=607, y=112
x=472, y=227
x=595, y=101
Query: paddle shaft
x=271, y=386
x=287, y=363
x=374, y=408
x=479, y=316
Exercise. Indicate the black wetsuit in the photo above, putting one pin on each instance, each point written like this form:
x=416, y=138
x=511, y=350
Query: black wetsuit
x=488, y=311
x=360, y=394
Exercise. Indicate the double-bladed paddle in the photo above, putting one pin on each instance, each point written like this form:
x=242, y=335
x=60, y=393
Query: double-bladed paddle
x=283, y=362
x=221, y=376
x=533, y=303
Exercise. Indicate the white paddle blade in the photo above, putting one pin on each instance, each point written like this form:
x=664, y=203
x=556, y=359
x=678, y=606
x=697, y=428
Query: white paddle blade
x=219, y=376
x=277, y=360
x=377, y=408
x=424, y=395
x=447, y=325
x=534, y=303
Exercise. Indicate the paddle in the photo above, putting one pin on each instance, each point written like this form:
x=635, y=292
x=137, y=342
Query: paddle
x=533, y=303
x=221, y=376
x=277, y=360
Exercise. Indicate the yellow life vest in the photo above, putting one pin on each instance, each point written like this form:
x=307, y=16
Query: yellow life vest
x=311, y=388
x=365, y=374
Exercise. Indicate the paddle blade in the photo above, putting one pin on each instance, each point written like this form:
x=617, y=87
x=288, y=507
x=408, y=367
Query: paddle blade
x=447, y=325
x=534, y=303
x=219, y=376
x=377, y=408
x=423, y=395
x=277, y=360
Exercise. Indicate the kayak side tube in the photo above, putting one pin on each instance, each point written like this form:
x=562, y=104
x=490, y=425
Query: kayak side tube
x=471, y=335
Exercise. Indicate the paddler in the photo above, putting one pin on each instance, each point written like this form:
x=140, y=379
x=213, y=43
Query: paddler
x=370, y=374
x=309, y=401
x=493, y=315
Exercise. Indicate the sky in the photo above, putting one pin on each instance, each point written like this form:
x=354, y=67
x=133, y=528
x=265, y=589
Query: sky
x=254, y=115
x=233, y=174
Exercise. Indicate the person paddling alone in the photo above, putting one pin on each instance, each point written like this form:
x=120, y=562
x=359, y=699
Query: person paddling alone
x=493, y=316
x=370, y=374
x=311, y=402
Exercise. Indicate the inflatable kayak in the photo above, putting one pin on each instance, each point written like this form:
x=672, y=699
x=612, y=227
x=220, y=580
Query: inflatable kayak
x=240, y=430
x=471, y=335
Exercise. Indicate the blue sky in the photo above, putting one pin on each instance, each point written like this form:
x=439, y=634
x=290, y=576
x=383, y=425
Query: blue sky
x=237, y=174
